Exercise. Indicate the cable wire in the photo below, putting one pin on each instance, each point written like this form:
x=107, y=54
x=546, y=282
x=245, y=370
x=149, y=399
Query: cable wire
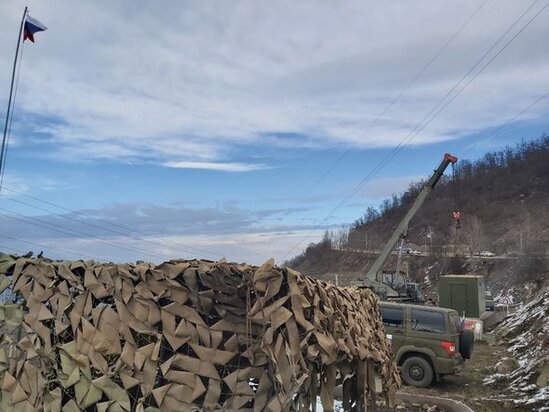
x=7, y=248
x=441, y=105
x=105, y=228
x=46, y=247
x=487, y=137
x=71, y=232
x=397, y=98
x=507, y=123
x=190, y=249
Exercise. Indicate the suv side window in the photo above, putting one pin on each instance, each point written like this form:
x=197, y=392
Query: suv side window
x=427, y=321
x=393, y=317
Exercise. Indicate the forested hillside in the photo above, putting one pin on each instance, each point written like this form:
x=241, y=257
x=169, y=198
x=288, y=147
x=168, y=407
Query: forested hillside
x=503, y=199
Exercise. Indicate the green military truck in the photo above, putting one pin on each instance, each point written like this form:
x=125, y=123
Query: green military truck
x=428, y=342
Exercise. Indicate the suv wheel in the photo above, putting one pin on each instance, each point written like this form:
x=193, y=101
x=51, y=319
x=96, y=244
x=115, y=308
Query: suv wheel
x=466, y=343
x=417, y=372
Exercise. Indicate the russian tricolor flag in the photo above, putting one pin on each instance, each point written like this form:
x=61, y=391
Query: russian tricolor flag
x=32, y=26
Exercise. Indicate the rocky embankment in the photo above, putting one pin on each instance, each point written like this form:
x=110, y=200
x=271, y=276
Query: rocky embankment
x=525, y=369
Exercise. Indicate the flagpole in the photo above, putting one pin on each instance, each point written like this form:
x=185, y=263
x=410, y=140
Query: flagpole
x=8, y=112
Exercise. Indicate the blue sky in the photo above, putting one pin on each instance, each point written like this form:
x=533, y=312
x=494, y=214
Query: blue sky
x=207, y=127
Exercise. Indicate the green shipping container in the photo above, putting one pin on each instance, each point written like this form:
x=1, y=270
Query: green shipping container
x=463, y=293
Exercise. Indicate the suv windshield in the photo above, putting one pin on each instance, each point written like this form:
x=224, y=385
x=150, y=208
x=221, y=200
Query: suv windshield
x=427, y=321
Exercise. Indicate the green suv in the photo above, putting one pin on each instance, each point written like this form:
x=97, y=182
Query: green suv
x=428, y=341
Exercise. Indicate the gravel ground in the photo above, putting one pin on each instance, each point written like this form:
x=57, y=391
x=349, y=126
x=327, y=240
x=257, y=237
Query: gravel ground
x=468, y=387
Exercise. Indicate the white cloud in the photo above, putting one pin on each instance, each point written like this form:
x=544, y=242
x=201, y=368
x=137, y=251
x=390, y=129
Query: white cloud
x=192, y=82
x=10, y=181
x=225, y=167
x=144, y=231
x=385, y=187
x=254, y=248
x=14, y=185
x=195, y=84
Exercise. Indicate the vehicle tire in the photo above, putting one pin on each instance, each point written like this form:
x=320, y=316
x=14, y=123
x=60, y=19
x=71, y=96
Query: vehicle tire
x=418, y=372
x=466, y=343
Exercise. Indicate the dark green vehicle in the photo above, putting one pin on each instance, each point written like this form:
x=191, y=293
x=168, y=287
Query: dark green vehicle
x=428, y=342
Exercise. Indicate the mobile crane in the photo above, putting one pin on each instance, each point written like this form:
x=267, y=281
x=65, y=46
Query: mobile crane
x=398, y=288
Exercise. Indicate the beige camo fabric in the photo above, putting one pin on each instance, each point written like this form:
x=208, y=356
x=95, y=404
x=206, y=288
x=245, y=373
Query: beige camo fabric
x=185, y=335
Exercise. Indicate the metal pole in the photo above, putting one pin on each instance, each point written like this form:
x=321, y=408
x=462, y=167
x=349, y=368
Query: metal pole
x=8, y=112
x=521, y=224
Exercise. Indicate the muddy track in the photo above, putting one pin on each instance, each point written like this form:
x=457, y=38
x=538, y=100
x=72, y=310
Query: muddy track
x=468, y=386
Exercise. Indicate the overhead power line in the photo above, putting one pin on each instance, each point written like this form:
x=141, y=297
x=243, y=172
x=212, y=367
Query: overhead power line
x=6, y=249
x=402, y=92
x=507, y=123
x=72, y=233
x=470, y=80
x=480, y=141
x=443, y=102
x=106, y=228
x=109, y=225
x=437, y=109
x=69, y=252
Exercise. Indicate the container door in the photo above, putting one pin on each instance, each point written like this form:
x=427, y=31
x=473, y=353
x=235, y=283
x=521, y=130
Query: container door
x=458, y=298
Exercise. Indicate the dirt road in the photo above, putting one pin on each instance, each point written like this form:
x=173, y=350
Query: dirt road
x=468, y=386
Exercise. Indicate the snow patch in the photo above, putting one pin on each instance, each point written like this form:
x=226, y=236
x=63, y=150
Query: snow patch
x=525, y=333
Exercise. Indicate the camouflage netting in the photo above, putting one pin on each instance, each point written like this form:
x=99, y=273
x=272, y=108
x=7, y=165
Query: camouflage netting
x=186, y=335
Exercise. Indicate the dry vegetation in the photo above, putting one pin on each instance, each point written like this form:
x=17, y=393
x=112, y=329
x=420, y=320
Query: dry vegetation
x=503, y=197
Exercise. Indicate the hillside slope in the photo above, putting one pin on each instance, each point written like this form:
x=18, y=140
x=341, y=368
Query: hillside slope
x=504, y=201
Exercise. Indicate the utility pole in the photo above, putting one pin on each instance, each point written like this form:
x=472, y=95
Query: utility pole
x=522, y=196
x=430, y=237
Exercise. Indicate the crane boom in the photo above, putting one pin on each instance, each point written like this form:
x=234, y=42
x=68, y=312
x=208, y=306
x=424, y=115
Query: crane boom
x=402, y=227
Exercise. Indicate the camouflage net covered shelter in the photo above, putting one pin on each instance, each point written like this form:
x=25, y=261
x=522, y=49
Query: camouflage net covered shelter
x=186, y=335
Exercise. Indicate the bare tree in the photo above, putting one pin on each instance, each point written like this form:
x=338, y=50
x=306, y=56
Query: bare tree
x=472, y=229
